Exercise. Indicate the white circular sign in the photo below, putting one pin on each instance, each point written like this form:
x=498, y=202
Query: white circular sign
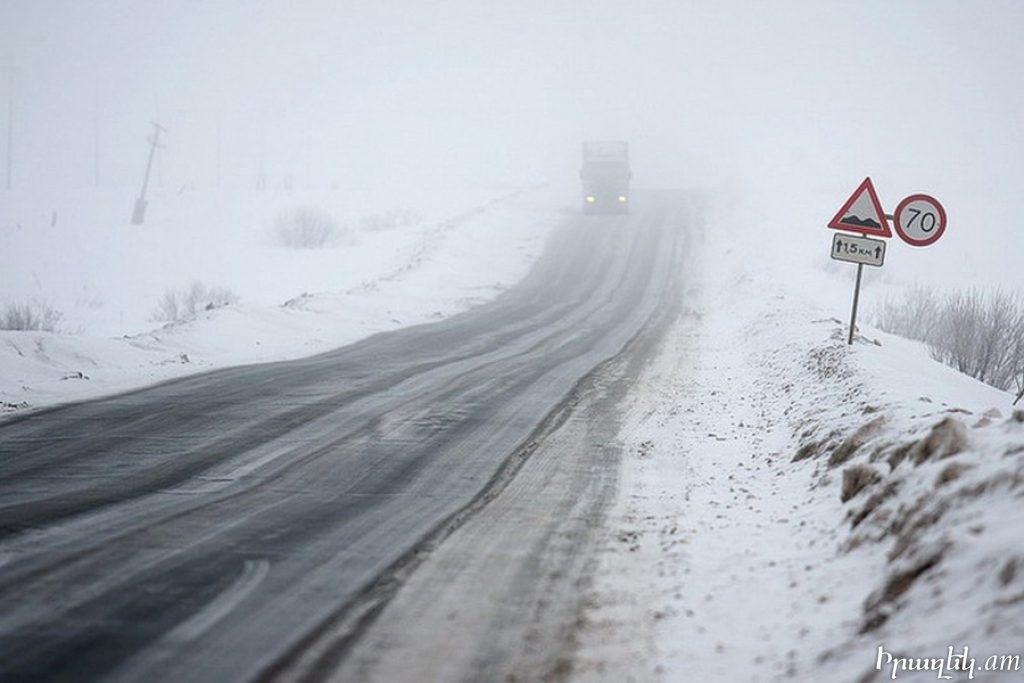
x=920, y=220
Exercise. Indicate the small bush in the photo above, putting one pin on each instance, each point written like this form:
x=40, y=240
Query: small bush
x=26, y=317
x=915, y=315
x=180, y=305
x=389, y=220
x=307, y=227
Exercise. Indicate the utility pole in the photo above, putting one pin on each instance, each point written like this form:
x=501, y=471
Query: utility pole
x=10, y=128
x=139, y=212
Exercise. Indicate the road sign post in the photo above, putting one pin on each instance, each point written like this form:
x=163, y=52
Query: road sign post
x=861, y=213
x=919, y=220
x=856, y=300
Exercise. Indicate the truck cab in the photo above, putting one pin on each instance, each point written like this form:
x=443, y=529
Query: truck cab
x=605, y=175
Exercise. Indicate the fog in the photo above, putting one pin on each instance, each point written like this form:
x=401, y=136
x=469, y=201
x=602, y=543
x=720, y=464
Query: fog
x=782, y=98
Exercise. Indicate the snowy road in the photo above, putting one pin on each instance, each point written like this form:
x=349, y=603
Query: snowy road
x=215, y=527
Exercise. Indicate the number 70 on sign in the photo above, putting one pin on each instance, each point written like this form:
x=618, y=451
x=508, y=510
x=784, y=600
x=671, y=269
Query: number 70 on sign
x=919, y=220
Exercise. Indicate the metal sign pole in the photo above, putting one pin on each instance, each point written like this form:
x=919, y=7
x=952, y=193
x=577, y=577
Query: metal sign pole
x=856, y=299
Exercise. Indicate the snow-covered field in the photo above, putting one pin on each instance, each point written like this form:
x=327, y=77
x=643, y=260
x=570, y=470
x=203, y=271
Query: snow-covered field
x=790, y=504
x=386, y=265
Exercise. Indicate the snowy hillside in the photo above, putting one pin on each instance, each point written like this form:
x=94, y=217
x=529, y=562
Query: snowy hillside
x=790, y=507
x=255, y=297
x=789, y=504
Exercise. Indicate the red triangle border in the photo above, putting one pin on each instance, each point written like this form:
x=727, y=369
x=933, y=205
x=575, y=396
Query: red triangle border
x=868, y=186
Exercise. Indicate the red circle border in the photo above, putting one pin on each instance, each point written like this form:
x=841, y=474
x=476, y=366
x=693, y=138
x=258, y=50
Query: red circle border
x=899, y=228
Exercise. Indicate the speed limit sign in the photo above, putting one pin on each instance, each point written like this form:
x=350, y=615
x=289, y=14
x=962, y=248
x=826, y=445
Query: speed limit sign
x=920, y=220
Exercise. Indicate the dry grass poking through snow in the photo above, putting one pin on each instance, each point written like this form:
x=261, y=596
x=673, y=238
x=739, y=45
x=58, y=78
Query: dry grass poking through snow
x=30, y=317
x=177, y=306
x=936, y=493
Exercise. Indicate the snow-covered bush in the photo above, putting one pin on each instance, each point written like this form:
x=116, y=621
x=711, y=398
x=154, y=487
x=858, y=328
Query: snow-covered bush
x=915, y=315
x=307, y=227
x=179, y=305
x=979, y=333
x=389, y=220
x=30, y=317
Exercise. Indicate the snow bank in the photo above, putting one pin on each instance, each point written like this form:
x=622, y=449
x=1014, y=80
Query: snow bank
x=790, y=503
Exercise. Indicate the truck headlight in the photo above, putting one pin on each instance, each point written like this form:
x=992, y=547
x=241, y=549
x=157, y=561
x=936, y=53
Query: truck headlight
x=622, y=199
x=591, y=199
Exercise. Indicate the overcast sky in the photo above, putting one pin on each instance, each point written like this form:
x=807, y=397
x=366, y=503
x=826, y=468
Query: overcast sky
x=326, y=89
x=784, y=96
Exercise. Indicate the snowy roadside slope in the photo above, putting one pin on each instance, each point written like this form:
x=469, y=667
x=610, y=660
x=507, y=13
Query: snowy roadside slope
x=790, y=503
x=330, y=297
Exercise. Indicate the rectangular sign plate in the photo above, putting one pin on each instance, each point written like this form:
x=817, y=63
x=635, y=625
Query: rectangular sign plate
x=858, y=250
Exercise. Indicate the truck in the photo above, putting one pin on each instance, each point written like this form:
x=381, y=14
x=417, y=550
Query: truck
x=605, y=175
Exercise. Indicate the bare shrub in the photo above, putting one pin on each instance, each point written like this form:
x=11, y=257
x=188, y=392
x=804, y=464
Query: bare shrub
x=916, y=315
x=980, y=335
x=974, y=331
x=25, y=317
x=307, y=227
x=179, y=305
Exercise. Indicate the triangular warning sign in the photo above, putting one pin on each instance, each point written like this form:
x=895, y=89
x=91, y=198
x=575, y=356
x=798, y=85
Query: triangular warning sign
x=862, y=213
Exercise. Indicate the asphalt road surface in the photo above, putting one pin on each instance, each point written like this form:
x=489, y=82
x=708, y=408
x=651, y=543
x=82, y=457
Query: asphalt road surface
x=222, y=527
